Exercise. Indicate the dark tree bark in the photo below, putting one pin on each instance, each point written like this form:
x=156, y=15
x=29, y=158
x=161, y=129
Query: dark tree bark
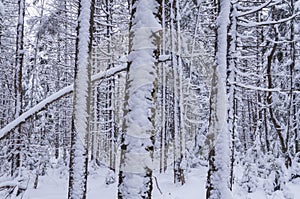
x=16, y=164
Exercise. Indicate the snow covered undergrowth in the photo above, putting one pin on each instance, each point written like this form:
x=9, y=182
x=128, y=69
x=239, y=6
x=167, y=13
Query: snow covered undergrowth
x=54, y=185
x=260, y=188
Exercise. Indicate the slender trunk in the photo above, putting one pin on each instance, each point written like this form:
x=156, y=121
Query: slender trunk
x=292, y=124
x=178, y=139
x=16, y=162
x=219, y=154
x=277, y=126
x=231, y=91
x=81, y=106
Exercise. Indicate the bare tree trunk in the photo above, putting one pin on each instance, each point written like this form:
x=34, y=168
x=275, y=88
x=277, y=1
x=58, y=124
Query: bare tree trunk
x=292, y=109
x=231, y=90
x=277, y=126
x=16, y=161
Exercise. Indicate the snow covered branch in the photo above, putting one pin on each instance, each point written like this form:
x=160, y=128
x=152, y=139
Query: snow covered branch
x=248, y=23
x=254, y=10
x=54, y=97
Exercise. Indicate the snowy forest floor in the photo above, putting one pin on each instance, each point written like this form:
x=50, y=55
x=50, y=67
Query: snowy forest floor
x=54, y=185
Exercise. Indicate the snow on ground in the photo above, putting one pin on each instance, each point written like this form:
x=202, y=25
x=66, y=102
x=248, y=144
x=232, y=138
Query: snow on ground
x=54, y=186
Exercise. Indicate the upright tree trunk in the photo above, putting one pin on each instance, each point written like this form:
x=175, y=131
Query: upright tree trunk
x=292, y=111
x=135, y=175
x=163, y=93
x=16, y=161
x=81, y=106
x=219, y=155
x=231, y=89
x=110, y=114
x=269, y=60
x=178, y=134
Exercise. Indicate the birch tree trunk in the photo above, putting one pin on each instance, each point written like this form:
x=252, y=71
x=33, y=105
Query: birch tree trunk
x=80, y=118
x=135, y=175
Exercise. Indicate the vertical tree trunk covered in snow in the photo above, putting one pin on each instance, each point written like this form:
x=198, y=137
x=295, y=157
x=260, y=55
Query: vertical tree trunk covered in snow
x=135, y=175
x=270, y=64
x=80, y=118
x=219, y=154
x=16, y=161
x=179, y=134
x=231, y=77
x=295, y=32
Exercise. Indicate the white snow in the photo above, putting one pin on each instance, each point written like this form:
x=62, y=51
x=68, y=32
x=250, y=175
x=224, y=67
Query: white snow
x=54, y=185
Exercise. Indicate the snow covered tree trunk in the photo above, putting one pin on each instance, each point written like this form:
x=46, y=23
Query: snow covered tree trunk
x=110, y=109
x=16, y=161
x=80, y=119
x=135, y=175
x=163, y=68
x=178, y=139
x=271, y=65
x=295, y=33
x=292, y=111
x=218, y=136
x=231, y=89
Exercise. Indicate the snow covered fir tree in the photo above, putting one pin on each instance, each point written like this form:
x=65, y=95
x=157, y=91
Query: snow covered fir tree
x=129, y=99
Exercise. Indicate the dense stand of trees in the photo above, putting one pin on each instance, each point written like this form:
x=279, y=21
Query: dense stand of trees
x=158, y=86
